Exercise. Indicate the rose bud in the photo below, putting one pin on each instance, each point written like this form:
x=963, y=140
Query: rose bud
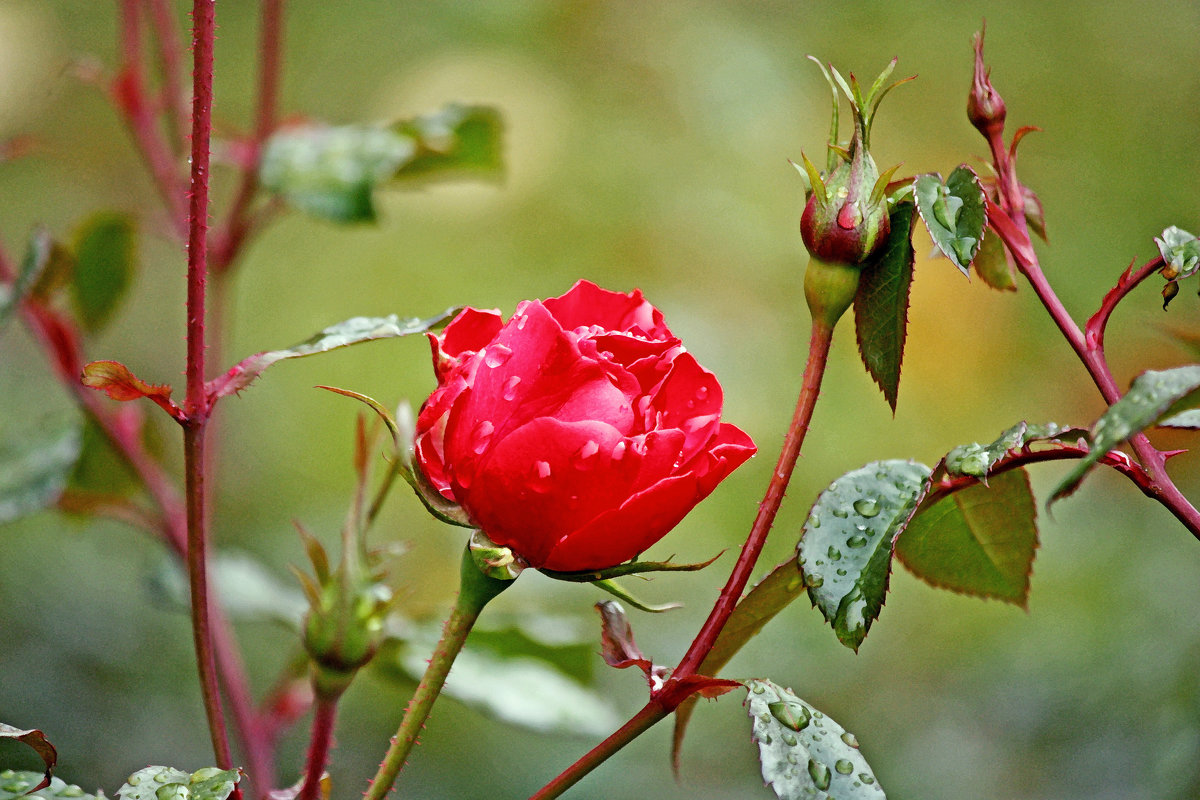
x=985, y=106
x=579, y=432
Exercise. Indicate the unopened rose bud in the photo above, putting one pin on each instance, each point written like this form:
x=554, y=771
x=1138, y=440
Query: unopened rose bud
x=846, y=219
x=985, y=106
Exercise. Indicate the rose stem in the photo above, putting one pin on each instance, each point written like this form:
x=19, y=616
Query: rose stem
x=475, y=590
x=196, y=402
x=1008, y=221
x=318, y=749
x=665, y=702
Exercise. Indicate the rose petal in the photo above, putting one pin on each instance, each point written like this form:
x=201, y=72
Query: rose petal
x=728, y=450
x=690, y=399
x=620, y=534
x=586, y=305
x=471, y=330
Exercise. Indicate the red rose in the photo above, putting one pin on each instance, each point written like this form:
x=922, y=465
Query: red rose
x=579, y=432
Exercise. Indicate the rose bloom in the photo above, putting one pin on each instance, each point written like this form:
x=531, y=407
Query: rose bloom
x=579, y=432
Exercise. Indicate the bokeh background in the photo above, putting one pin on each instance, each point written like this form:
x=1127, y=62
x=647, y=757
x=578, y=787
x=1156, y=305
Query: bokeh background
x=646, y=146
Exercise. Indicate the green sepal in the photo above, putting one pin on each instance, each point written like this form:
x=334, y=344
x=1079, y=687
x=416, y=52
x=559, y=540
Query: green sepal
x=621, y=593
x=629, y=568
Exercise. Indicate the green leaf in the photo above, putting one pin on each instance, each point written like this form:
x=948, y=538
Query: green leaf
x=846, y=548
x=353, y=331
x=331, y=172
x=1153, y=394
x=166, y=783
x=516, y=685
x=552, y=640
x=979, y=540
x=458, y=141
x=105, y=254
x=992, y=264
x=1184, y=419
x=37, y=258
x=804, y=754
x=977, y=460
x=16, y=784
x=955, y=212
x=35, y=462
x=247, y=589
x=769, y=596
x=36, y=741
x=881, y=305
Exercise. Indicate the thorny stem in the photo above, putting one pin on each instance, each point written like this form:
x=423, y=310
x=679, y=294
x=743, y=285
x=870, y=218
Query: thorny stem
x=475, y=591
x=196, y=402
x=1008, y=220
x=664, y=702
x=239, y=222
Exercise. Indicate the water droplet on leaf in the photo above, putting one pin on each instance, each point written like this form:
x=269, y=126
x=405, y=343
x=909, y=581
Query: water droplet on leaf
x=790, y=714
x=850, y=739
x=790, y=739
x=866, y=507
x=865, y=778
x=843, y=766
x=819, y=774
x=856, y=541
x=840, y=513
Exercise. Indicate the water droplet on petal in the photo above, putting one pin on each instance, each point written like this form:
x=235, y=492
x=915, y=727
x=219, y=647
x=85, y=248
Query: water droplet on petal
x=510, y=387
x=618, y=451
x=850, y=739
x=585, y=457
x=540, y=477
x=522, y=319
x=482, y=436
x=843, y=766
x=819, y=774
x=856, y=541
x=497, y=355
x=702, y=393
x=866, y=507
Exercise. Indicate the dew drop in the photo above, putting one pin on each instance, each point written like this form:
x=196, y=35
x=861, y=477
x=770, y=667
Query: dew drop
x=759, y=688
x=790, y=739
x=850, y=739
x=856, y=541
x=585, y=457
x=834, y=554
x=618, y=451
x=860, y=527
x=819, y=774
x=482, y=436
x=790, y=714
x=843, y=766
x=866, y=507
x=841, y=572
x=791, y=757
x=540, y=476
x=766, y=739
x=840, y=513
x=510, y=387
x=522, y=319
x=702, y=393
x=161, y=777
x=814, y=581
x=865, y=778
x=497, y=355
x=814, y=521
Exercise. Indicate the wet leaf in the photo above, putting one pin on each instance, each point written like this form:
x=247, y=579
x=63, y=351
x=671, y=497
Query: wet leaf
x=1181, y=252
x=977, y=460
x=517, y=685
x=36, y=260
x=105, y=254
x=15, y=784
x=166, y=783
x=459, y=141
x=1153, y=394
x=979, y=540
x=992, y=263
x=331, y=172
x=352, y=331
x=769, y=596
x=37, y=741
x=881, y=305
x=1184, y=419
x=955, y=212
x=804, y=754
x=35, y=462
x=845, y=549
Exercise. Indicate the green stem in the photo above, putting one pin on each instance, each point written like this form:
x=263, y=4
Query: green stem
x=475, y=592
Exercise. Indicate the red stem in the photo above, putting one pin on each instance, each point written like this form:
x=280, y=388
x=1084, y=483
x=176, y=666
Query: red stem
x=665, y=700
x=196, y=401
x=129, y=92
x=170, y=54
x=239, y=221
x=319, y=745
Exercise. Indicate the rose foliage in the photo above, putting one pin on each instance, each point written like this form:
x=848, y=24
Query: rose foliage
x=579, y=432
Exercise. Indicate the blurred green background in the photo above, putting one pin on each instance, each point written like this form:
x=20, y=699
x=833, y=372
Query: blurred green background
x=647, y=146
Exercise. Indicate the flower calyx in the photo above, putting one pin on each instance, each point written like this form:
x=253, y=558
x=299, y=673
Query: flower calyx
x=344, y=626
x=845, y=218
